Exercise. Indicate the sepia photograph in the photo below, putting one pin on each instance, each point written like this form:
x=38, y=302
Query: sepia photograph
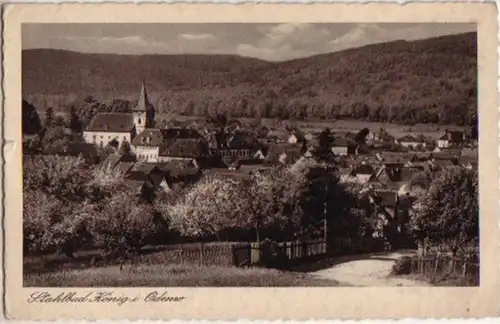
x=250, y=154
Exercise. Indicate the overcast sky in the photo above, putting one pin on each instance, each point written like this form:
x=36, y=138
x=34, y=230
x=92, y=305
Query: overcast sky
x=272, y=42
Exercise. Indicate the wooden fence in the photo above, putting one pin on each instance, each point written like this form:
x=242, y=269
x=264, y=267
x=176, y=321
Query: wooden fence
x=439, y=266
x=273, y=254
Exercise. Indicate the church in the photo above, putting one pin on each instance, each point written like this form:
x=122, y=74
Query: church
x=149, y=144
x=106, y=127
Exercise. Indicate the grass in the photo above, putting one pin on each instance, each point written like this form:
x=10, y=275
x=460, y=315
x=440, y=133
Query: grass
x=173, y=276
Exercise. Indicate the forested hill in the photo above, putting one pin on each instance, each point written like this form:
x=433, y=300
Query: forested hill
x=407, y=82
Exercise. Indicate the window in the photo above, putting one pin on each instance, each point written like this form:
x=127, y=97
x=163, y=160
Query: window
x=139, y=121
x=102, y=137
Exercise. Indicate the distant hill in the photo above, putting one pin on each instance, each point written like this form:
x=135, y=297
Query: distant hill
x=423, y=81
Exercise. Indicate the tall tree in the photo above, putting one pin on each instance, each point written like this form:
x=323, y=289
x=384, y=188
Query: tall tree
x=449, y=212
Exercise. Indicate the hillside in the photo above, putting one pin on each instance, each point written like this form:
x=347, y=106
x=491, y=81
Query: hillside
x=407, y=82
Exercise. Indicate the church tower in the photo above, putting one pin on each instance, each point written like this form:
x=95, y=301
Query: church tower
x=143, y=112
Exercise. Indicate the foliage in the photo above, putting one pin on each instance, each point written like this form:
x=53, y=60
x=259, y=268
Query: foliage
x=424, y=81
x=209, y=207
x=449, y=212
x=31, y=123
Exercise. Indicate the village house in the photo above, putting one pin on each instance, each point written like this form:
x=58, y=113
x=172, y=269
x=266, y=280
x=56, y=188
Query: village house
x=451, y=138
x=284, y=154
x=297, y=137
x=410, y=142
x=340, y=146
x=239, y=146
x=162, y=145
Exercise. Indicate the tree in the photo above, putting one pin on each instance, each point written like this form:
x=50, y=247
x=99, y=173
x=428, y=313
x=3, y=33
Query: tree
x=75, y=123
x=360, y=137
x=209, y=207
x=31, y=123
x=49, y=117
x=449, y=212
x=124, y=224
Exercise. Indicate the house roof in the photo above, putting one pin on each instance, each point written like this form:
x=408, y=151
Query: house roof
x=299, y=135
x=144, y=167
x=386, y=198
x=148, y=137
x=112, y=122
x=408, y=138
x=446, y=155
x=184, y=147
x=143, y=103
x=124, y=167
x=171, y=133
x=363, y=169
x=292, y=152
x=453, y=136
x=340, y=142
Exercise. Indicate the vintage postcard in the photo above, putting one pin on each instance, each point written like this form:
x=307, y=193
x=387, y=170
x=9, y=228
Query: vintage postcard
x=188, y=161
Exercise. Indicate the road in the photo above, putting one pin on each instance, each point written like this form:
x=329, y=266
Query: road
x=367, y=270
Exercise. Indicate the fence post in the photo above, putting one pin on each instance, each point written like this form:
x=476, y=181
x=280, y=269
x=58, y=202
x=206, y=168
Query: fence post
x=202, y=256
x=464, y=270
x=436, y=265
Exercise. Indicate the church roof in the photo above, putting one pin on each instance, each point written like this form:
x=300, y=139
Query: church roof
x=111, y=122
x=143, y=103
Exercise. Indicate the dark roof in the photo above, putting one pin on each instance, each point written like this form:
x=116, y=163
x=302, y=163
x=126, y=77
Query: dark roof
x=408, y=138
x=446, y=155
x=148, y=137
x=124, y=167
x=111, y=122
x=453, y=136
x=386, y=198
x=363, y=169
x=144, y=167
x=292, y=152
x=184, y=147
x=171, y=133
x=340, y=142
x=299, y=135
x=242, y=141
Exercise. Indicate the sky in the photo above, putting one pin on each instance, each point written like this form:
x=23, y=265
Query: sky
x=271, y=42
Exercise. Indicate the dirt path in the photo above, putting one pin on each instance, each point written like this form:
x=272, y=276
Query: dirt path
x=367, y=270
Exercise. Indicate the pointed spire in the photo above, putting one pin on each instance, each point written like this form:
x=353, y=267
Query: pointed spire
x=143, y=103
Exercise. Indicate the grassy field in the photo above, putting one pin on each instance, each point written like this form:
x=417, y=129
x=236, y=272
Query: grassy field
x=172, y=276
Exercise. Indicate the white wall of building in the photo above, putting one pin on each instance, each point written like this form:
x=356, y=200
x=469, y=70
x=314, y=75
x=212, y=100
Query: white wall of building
x=101, y=139
x=146, y=153
x=339, y=150
x=443, y=143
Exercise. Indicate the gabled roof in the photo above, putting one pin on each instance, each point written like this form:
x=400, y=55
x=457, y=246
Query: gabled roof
x=386, y=198
x=299, y=135
x=184, y=147
x=148, y=137
x=111, y=122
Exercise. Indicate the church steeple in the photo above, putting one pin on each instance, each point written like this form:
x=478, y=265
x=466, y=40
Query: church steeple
x=143, y=102
x=144, y=112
